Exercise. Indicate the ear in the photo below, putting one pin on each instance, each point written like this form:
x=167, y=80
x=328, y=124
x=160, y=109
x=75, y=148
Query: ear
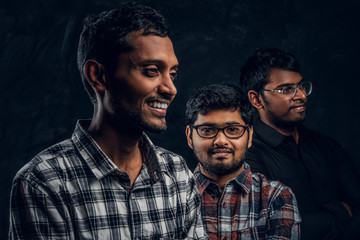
x=188, y=136
x=255, y=99
x=95, y=75
x=250, y=137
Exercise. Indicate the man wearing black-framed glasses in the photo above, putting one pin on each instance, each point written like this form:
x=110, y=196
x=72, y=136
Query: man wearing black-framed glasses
x=314, y=166
x=236, y=204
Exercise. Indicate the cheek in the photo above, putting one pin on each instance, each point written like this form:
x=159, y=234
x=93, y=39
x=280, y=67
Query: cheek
x=142, y=86
x=201, y=146
x=279, y=106
x=133, y=87
x=241, y=147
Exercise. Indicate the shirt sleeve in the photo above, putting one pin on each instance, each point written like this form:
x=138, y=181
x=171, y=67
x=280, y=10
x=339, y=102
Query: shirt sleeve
x=349, y=185
x=193, y=212
x=284, y=219
x=33, y=214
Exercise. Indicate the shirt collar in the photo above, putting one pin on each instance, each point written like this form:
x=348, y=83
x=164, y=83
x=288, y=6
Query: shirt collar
x=202, y=182
x=244, y=179
x=267, y=134
x=100, y=164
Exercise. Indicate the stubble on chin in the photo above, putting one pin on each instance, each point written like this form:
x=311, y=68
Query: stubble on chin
x=285, y=123
x=219, y=169
x=135, y=120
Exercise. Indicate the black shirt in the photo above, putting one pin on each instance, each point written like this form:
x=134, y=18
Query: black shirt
x=320, y=174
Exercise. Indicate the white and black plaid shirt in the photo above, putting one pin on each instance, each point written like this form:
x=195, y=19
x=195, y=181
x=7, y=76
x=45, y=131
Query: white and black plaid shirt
x=72, y=190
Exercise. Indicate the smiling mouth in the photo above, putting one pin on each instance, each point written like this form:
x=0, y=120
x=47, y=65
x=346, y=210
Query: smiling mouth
x=299, y=107
x=221, y=153
x=157, y=104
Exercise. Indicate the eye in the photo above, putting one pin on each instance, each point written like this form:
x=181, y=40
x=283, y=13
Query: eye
x=151, y=72
x=233, y=130
x=288, y=89
x=207, y=131
x=173, y=75
x=301, y=86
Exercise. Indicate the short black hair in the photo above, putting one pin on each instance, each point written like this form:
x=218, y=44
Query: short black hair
x=104, y=36
x=215, y=97
x=254, y=74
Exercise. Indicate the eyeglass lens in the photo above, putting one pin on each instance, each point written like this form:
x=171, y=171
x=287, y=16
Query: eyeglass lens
x=306, y=87
x=230, y=131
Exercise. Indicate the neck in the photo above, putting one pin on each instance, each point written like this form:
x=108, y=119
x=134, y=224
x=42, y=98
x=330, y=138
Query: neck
x=221, y=180
x=287, y=130
x=119, y=142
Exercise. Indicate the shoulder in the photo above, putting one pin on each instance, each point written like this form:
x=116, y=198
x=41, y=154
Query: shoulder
x=276, y=193
x=323, y=142
x=317, y=136
x=260, y=148
x=173, y=164
x=50, y=164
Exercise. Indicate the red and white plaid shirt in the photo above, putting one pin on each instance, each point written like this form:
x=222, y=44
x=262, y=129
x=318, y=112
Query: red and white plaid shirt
x=249, y=207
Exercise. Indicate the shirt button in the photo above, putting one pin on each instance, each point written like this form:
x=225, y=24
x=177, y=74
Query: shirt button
x=224, y=205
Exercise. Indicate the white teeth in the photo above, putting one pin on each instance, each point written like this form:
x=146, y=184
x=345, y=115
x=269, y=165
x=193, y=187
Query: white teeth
x=158, y=105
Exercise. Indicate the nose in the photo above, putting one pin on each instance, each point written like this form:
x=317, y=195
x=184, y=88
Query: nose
x=167, y=86
x=299, y=93
x=220, y=139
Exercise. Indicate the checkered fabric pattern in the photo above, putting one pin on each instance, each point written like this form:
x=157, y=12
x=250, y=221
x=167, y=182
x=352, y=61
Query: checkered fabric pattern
x=72, y=190
x=249, y=207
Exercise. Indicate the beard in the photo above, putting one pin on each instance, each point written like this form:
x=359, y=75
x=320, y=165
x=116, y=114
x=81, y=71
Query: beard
x=284, y=123
x=279, y=122
x=219, y=168
x=134, y=120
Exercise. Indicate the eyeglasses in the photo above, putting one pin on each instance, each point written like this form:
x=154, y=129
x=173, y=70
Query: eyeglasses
x=232, y=132
x=290, y=90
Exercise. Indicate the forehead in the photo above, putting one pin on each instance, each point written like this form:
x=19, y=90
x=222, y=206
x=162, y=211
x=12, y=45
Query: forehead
x=152, y=48
x=279, y=77
x=220, y=117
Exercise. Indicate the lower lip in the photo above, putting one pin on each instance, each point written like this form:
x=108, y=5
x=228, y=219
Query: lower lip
x=158, y=111
x=221, y=154
x=299, y=109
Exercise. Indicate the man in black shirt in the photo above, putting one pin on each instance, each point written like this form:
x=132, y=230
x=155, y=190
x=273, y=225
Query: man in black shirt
x=316, y=167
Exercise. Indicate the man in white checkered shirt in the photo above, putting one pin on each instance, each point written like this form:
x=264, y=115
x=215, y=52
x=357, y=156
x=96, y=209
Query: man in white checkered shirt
x=109, y=181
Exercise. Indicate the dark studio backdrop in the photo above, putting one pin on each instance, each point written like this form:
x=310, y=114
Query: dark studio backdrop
x=42, y=95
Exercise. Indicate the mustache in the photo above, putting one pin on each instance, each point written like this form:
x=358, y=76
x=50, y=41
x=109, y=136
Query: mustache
x=214, y=150
x=299, y=103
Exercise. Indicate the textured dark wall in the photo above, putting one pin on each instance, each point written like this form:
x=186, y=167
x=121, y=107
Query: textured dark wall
x=42, y=96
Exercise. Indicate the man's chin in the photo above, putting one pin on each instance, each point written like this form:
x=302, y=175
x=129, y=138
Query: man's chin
x=221, y=169
x=289, y=123
x=148, y=126
x=154, y=128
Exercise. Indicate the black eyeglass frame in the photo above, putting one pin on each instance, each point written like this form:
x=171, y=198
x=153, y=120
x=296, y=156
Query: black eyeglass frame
x=300, y=86
x=246, y=128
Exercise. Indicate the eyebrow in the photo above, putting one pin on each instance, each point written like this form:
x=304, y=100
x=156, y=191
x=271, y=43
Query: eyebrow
x=289, y=84
x=214, y=125
x=155, y=62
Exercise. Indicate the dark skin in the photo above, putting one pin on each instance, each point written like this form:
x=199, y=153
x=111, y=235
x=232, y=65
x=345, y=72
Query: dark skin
x=282, y=107
x=274, y=104
x=143, y=77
